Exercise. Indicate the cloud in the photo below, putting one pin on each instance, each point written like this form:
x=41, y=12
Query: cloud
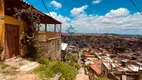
x=56, y=4
x=96, y=1
x=59, y=17
x=65, y=20
x=118, y=21
x=121, y=12
x=78, y=11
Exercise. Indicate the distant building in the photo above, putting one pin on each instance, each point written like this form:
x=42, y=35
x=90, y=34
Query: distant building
x=117, y=71
x=95, y=70
x=64, y=51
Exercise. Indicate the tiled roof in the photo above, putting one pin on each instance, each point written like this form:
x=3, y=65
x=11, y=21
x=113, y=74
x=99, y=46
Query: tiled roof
x=87, y=54
x=99, y=62
x=95, y=68
x=44, y=18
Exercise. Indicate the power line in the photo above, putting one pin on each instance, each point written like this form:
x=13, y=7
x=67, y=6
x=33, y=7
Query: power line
x=46, y=7
x=47, y=11
x=136, y=6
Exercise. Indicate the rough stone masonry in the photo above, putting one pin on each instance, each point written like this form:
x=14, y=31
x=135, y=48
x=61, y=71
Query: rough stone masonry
x=50, y=49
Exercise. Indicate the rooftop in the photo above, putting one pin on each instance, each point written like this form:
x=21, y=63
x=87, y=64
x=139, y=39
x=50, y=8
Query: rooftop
x=87, y=54
x=11, y=4
x=117, y=65
x=95, y=68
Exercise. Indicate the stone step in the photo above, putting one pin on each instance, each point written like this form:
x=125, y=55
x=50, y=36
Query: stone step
x=28, y=67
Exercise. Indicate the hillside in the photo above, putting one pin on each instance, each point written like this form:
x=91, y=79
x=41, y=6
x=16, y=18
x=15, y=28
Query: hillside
x=115, y=43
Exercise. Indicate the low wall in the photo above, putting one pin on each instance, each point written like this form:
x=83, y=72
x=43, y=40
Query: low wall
x=43, y=35
x=50, y=49
x=112, y=76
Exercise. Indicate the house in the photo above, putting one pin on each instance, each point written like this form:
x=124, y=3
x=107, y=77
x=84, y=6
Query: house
x=95, y=69
x=122, y=70
x=88, y=55
x=11, y=29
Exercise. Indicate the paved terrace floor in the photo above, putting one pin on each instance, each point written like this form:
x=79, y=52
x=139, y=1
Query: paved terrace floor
x=17, y=68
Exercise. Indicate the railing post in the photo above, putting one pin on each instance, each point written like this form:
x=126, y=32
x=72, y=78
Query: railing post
x=45, y=27
x=60, y=28
x=54, y=27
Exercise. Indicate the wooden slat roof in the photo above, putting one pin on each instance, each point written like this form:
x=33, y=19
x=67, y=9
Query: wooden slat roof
x=11, y=4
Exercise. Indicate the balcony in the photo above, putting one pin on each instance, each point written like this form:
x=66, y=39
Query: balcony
x=46, y=36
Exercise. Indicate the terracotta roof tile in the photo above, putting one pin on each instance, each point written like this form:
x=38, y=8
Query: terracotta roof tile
x=95, y=68
x=99, y=62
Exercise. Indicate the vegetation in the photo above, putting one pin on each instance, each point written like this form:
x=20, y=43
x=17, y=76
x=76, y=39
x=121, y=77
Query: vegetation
x=72, y=60
x=28, y=39
x=49, y=68
x=4, y=68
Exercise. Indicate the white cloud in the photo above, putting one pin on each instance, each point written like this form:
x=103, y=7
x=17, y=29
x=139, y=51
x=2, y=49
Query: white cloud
x=77, y=11
x=121, y=12
x=118, y=21
x=96, y=1
x=56, y=4
x=65, y=20
x=59, y=17
x=115, y=21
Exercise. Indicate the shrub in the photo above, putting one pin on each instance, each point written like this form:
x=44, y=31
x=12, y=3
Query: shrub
x=42, y=61
x=68, y=72
x=72, y=61
x=71, y=58
x=49, y=68
x=44, y=72
x=29, y=34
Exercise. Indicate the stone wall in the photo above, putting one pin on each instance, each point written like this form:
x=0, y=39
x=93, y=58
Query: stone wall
x=50, y=49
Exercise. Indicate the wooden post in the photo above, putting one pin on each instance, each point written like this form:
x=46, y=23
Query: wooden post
x=45, y=27
x=60, y=28
x=54, y=27
x=45, y=23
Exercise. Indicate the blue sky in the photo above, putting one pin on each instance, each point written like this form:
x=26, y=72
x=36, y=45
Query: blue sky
x=95, y=16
